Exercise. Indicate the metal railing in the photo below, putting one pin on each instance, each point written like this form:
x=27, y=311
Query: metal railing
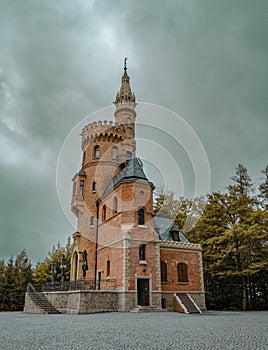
x=79, y=285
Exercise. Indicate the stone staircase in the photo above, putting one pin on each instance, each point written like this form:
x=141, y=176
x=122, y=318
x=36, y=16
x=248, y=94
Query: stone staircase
x=41, y=301
x=189, y=305
x=147, y=309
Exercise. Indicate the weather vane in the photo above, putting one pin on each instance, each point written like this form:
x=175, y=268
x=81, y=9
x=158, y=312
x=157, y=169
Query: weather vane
x=125, y=64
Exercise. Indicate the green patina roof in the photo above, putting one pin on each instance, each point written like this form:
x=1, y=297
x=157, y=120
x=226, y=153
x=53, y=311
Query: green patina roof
x=133, y=170
x=165, y=227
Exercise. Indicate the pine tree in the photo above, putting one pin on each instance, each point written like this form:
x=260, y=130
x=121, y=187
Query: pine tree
x=263, y=188
x=242, y=180
x=23, y=275
x=233, y=232
x=9, y=296
x=2, y=277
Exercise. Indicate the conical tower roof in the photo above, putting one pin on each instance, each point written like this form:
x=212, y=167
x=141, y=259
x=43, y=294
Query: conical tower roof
x=133, y=170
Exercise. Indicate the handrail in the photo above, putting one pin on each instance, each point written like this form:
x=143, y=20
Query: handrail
x=106, y=284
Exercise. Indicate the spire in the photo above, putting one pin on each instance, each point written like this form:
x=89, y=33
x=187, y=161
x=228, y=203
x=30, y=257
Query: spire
x=125, y=96
x=125, y=66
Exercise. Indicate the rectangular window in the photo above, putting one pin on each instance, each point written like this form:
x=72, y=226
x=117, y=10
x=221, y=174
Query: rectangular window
x=94, y=187
x=142, y=251
x=182, y=272
x=81, y=191
x=108, y=268
x=92, y=219
x=163, y=271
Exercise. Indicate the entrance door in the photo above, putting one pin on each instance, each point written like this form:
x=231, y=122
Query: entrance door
x=143, y=291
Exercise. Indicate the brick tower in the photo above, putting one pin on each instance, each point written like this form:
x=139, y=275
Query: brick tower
x=147, y=258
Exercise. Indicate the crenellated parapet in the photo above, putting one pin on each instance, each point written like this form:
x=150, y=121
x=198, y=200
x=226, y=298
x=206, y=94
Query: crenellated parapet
x=97, y=129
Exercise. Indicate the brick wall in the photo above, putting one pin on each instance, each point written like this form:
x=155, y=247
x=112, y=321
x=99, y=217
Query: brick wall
x=192, y=258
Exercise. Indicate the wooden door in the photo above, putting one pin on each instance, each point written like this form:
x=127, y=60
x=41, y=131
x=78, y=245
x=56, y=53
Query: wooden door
x=143, y=291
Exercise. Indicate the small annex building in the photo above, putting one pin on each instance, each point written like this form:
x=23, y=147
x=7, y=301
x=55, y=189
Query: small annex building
x=119, y=244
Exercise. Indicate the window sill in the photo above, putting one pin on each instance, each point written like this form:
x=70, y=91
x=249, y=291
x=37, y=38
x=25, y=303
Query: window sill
x=142, y=226
x=143, y=262
x=164, y=282
x=93, y=191
x=183, y=282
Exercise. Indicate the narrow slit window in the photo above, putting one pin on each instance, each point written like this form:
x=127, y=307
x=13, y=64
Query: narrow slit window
x=94, y=186
x=108, y=268
x=81, y=191
x=163, y=271
x=104, y=213
x=142, y=252
x=141, y=215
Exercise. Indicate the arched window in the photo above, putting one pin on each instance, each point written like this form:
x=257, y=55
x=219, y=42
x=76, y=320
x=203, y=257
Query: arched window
x=114, y=152
x=104, y=213
x=108, y=268
x=115, y=205
x=141, y=215
x=182, y=272
x=163, y=271
x=97, y=152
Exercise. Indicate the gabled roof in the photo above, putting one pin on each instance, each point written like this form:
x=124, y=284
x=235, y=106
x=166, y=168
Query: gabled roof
x=165, y=226
x=133, y=170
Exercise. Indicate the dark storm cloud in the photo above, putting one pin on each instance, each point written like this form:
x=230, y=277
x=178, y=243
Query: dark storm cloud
x=60, y=60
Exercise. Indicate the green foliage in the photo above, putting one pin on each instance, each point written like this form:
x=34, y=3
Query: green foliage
x=233, y=231
x=43, y=269
x=263, y=189
x=15, y=275
x=13, y=281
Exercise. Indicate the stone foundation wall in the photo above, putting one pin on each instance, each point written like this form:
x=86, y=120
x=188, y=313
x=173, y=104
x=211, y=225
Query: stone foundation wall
x=86, y=302
x=126, y=301
x=83, y=302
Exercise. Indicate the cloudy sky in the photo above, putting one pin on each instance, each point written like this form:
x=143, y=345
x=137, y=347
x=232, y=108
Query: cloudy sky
x=62, y=60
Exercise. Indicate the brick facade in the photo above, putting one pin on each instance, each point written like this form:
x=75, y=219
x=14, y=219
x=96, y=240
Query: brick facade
x=111, y=185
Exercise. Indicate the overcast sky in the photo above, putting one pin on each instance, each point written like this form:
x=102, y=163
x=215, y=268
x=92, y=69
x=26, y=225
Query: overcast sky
x=62, y=60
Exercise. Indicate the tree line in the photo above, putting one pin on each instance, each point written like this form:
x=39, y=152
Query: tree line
x=232, y=228
x=15, y=274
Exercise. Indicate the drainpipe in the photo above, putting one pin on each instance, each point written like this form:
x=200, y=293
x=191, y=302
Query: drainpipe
x=96, y=246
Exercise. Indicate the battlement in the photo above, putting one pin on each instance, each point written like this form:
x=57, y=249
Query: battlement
x=98, y=128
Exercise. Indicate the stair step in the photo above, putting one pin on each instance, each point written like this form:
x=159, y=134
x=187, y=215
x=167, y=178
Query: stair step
x=147, y=309
x=40, y=300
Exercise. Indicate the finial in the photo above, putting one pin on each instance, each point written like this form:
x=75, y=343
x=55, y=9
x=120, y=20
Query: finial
x=125, y=64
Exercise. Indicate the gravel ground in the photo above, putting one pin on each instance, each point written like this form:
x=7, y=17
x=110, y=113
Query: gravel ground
x=166, y=330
